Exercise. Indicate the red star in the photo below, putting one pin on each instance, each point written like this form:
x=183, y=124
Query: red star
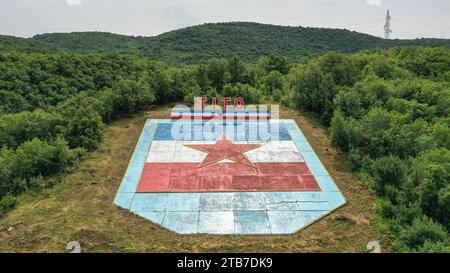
x=224, y=149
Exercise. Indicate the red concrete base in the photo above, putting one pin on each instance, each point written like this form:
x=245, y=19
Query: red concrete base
x=188, y=177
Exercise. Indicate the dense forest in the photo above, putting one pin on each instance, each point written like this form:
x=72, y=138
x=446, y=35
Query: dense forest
x=390, y=114
x=198, y=44
x=11, y=43
x=389, y=111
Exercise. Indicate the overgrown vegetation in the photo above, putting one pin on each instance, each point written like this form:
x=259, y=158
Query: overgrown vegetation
x=53, y=109
x=11, y=43
x=389, y=112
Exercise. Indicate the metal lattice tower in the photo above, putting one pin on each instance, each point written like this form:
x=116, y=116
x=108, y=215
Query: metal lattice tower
x=387, y=26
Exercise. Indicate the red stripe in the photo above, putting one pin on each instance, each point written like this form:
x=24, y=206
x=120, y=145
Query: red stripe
x=187, y=177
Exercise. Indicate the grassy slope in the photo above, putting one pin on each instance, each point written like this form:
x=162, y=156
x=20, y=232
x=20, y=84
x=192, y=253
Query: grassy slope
x=81, y=208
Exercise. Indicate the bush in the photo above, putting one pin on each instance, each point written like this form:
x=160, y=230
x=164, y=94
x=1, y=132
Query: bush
x=274, y=63
x=245, y=91
x=273, y=81
x=38, y=158
x=30, y=166
x=388, y=170
x=436, y=247
x=342, y=68
x=18, y=128
x=355, y=159
x=12, y=102
x=7, y=204
x=133, y=94
x=217, y=73
x=5, y=171
x=376, y=128
x=423, y=234
x=314, y=91
x=85, y=129
x=348, y=101
x=345, y=133
x=130, y=96
x=431, y=178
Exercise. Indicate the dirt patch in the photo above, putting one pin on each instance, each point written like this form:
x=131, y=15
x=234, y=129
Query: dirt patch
x=11, y=231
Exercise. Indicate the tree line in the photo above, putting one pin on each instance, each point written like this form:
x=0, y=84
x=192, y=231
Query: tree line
x=198, y=44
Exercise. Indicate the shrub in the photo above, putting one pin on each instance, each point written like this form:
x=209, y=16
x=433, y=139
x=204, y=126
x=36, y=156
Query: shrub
x=38, y=158
x=345, y=133
x=434, y=247
x=423, y=234
x=18, y=128
x=245, y=91
x=130, y=96
x=7, y=204
x=85, y=129
x=315, y=91
x=388, y=170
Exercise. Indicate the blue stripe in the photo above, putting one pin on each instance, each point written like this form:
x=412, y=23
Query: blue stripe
x=210, y=131
x=136, y=164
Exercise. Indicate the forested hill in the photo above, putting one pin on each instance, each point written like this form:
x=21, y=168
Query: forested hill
x=198, y=44
x=92, y=42
x=8, y=43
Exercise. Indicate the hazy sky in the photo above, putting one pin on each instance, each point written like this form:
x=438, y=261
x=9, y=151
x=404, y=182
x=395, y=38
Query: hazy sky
x=410, y=18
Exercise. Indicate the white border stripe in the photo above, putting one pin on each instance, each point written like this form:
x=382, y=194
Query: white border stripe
x=177, y=152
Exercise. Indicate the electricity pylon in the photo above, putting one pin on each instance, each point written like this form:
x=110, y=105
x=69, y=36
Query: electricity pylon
x=387, y=26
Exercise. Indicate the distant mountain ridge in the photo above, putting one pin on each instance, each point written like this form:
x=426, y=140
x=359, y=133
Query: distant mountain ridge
x=197, y=44
x=8, y=43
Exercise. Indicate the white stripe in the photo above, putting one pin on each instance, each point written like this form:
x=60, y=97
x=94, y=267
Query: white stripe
x=175, y=151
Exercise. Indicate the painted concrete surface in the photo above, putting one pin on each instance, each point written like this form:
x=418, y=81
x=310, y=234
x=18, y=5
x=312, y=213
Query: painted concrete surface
x=251, y=212
x=226, y=176
x=212, y=130
x=177, y=151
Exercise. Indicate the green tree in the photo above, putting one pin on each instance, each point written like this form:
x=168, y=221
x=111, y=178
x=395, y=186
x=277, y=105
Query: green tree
x=314, y=91
x=340, y=67
x=85, y=129
x=237, y=70
x=135, y=92
x=12, y=102
x=273, y=81
x=245, y=91
x=38, y=158
x=388, y=171
x=422, y=235
x=18, y=128
x=274, y=63
x=131, y=96
x=431, y=176
x=348, y=101
x=217, y=71
x=345, y=133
